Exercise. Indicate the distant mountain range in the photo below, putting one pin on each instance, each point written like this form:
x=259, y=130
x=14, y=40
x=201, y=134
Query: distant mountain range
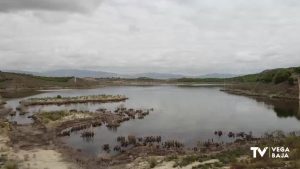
x=153, y=75
x=79, y=73
x=218, y=75
x=102, y=74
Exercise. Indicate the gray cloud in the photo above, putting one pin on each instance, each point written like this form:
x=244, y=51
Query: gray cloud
x=173, y=36
x=49, y=5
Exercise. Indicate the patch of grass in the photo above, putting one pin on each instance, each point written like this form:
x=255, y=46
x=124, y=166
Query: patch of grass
x=53, y=116
x=295, y=164
x=10, y=165
x=247, y=78
x=230, y=156
x=152, y=162
x=218, y=164
x=186, y=160
x=293, y=143
x=264, y=163
x=171, y=158
x=208, y=166
x=204, y=158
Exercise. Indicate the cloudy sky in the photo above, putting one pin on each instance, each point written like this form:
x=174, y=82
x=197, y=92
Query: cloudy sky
x=133, y=36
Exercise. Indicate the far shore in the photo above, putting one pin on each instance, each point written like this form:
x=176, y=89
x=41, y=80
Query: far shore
x=247, y=89
x=23, y=92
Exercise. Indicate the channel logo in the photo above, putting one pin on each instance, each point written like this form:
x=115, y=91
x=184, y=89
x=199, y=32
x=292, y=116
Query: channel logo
x=271, y=152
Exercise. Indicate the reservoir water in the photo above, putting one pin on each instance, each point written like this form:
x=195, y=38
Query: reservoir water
x=187, y=114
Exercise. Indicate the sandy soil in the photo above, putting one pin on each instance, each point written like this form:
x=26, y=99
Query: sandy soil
x=142, y=163
x=35, y=158
x=42, y=159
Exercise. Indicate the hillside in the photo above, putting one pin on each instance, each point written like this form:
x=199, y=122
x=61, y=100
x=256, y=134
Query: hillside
x=18, y=81
x=275, y=83
x=274, y=76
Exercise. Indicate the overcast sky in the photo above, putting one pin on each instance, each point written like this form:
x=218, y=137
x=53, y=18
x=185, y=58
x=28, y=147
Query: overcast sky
x=133, y=36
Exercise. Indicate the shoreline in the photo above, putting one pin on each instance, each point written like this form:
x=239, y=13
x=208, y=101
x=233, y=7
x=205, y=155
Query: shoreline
x=235, y=89
x=249, y=93
x=24, y=92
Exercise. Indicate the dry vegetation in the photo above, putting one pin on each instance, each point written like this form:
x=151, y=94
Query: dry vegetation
x=233, y=156
x=59, y=100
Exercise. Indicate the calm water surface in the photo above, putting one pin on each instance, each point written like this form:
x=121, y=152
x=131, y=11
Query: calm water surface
x=188, y=114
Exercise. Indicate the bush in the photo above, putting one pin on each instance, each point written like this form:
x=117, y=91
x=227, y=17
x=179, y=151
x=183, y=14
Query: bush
x=171, y=158
x=58, y=96
x=297, y=69
x=267, y=76
x=53, y=116
x=10, y=165
x=281, y=76
x=186, y=161
x=152, y=163
x=291, y=81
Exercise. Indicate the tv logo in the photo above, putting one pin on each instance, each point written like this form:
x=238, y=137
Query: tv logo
x=257, y=149
x=274, y=152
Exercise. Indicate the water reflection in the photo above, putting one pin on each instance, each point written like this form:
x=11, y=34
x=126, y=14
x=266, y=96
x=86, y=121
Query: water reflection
x=283, y=108
x=18, y=94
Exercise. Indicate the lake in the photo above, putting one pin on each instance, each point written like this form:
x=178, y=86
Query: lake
x=187, y=114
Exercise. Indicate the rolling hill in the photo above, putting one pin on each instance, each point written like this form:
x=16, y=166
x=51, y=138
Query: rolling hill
x=18, y=81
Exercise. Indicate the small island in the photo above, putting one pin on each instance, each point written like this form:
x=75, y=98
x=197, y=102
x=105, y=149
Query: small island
x=59, y=100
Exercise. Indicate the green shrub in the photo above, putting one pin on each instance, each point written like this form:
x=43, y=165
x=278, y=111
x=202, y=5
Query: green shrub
x=267, y=77
x=152, y=162
x=58, y=96
x=53, y=116
x=186, y=161
x=10, y=165
x=281, y=76
x=297, y=70
x=291, y=81
x=171, y=158
x=230, y=156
